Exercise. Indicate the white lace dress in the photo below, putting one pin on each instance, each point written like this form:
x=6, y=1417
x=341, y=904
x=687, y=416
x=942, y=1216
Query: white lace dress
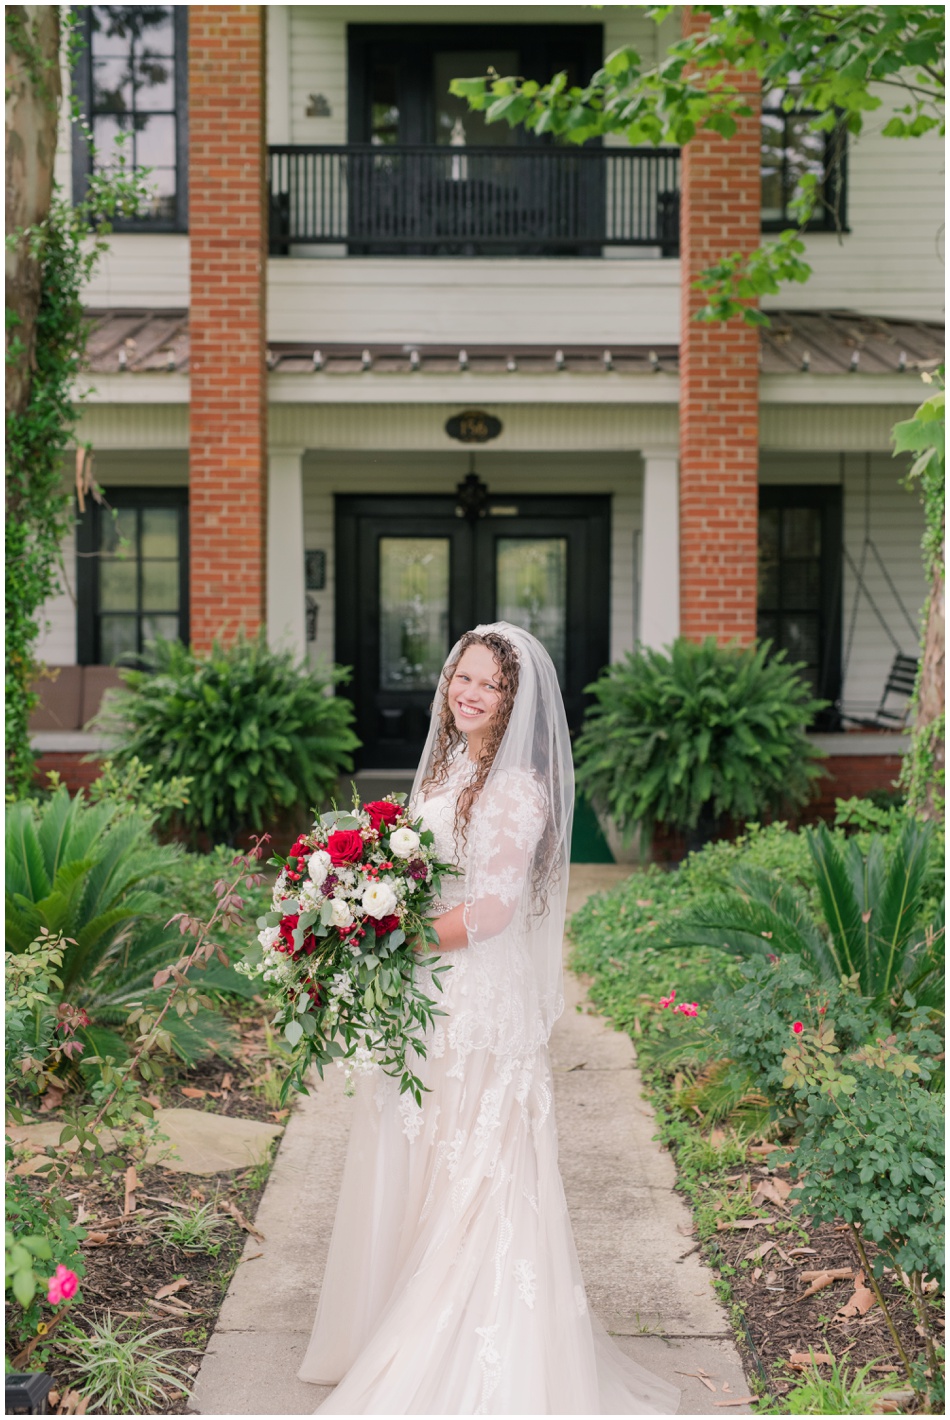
x=452, y=1285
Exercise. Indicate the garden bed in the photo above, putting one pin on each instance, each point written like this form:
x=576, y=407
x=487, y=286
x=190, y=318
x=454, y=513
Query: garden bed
x=740, y=1063
x=161, y=1246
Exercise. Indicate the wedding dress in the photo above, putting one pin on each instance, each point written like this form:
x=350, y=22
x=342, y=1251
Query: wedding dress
x=452, y=1284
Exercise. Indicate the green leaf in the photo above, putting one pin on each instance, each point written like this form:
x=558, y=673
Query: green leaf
x=24, y=1286
x=293, y=1030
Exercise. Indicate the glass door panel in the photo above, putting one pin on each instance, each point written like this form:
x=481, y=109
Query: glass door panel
x=531, y=590
x=413, y=611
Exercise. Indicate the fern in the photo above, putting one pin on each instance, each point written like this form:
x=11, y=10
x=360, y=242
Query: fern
x=698, y=730
x=251, y=730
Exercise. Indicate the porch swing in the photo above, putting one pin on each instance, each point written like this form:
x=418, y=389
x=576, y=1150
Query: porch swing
x=903, y=671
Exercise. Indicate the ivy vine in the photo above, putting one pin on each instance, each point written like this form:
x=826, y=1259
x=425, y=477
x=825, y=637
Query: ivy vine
x=67, y=244
x=922, y=771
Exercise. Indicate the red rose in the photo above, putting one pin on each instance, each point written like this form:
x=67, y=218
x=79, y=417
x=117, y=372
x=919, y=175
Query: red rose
x=345, y=846
x=301, y=849
x=382, y=812
x=386, y=924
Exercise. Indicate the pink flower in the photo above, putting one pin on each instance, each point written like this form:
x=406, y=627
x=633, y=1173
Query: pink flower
x=688, y=1008
x=668, y=1000
x=797, y=1027
x=62, y=1286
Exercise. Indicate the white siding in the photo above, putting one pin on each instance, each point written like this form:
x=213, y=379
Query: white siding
x=891, y=262
x=583, y=301
x=56, y=645
x=893, y=519
x=619, y=475
x=142, y=270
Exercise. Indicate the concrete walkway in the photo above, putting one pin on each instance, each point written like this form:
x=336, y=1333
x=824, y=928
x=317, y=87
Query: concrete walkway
x=632, y=1232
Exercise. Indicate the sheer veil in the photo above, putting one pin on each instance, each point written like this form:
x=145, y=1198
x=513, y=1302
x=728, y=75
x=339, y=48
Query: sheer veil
x=516, y=855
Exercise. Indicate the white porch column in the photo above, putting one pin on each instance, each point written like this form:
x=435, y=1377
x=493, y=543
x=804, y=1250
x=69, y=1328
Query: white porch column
x=660, y=545
x=286, y=593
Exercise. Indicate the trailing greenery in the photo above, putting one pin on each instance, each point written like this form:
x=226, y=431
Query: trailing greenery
x=698, y=731
x=68, y=246
x=923, y=772
x=252, y=729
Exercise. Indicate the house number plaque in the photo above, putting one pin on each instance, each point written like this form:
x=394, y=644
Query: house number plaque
x=473, y=426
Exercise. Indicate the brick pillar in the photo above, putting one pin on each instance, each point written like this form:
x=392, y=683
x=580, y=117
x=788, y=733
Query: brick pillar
x=719, y=385
x=228, y=234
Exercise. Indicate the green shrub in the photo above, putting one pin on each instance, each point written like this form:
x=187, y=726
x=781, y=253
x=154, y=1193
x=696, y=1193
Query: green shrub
x=752, y=1024
x=699, y=731
x=252, y=730
x=872, y=1146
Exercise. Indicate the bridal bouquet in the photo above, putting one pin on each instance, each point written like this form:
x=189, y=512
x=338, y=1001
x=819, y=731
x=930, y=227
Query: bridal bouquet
x=335, y=952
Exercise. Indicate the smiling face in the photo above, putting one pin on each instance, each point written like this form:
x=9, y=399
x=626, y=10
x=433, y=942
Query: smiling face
x=474, y=694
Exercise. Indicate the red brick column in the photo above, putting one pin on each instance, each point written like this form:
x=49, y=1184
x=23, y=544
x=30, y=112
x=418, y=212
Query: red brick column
x=719, y=395
x=228, y=232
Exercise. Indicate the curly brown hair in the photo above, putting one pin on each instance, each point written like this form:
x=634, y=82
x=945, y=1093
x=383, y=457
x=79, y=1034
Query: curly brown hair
x=450, y=736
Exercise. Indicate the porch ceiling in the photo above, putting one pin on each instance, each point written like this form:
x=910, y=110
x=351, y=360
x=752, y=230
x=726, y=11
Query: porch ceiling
x=817, y=343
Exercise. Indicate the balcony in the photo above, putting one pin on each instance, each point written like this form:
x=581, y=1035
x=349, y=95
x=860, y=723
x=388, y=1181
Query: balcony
x=443, y=201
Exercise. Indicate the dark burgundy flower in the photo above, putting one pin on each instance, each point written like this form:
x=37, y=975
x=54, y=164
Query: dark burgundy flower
x=329, y=883
x=417, y=869
x=386, y=924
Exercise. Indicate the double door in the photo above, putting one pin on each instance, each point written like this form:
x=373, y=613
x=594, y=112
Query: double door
x=413, y=573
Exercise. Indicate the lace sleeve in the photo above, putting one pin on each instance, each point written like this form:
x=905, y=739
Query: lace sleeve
x=506, y=829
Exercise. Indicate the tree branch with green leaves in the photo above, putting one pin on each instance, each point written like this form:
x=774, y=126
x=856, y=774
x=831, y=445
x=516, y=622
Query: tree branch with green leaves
x=824, y=62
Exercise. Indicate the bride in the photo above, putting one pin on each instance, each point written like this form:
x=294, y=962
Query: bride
x=452, y=1283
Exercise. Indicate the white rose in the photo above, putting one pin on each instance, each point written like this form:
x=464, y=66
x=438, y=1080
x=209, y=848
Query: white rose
x=404, y=842
x=340, y=914
x=268, y=936
x=379, y=900
x=318, y=867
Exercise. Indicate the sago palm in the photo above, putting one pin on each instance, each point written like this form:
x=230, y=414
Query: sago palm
x=876, y=927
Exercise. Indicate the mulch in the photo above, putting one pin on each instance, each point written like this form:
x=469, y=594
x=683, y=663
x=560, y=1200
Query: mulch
x=131, y=1264
x=128, y=1262
x=779, y=1322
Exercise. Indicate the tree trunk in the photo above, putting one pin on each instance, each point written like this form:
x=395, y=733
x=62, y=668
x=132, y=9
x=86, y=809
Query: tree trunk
x=34, y=89
x=930, y=695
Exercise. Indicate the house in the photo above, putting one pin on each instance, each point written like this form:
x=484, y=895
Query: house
x=370, y=371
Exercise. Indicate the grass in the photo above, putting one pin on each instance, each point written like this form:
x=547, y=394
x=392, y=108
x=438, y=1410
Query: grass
x=199, y=1228
x=835, y=1390
x=122, y=1371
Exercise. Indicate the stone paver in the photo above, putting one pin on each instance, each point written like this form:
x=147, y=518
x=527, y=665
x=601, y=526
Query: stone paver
x=196, y=1141
x=631, y=1228
x=205, y=1143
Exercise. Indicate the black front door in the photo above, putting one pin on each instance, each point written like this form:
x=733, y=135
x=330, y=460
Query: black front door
x=422, y=574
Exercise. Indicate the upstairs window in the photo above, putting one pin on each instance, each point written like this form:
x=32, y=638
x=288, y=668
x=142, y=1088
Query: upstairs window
x=790, y=149
x=131, y=79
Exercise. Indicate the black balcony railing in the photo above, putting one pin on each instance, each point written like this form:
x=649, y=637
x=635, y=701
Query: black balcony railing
x=474, y=201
